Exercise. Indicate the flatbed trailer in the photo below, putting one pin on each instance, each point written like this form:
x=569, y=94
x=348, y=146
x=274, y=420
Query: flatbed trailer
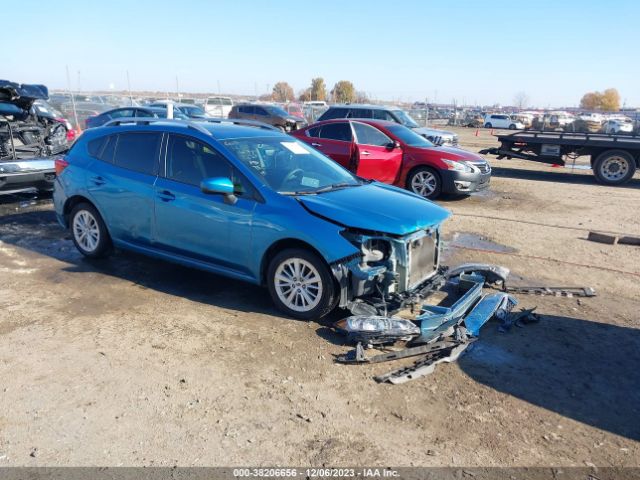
x=614, y=158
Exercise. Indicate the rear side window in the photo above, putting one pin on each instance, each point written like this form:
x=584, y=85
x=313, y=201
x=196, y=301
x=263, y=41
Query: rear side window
x=334, y=113
x=102, y=148
x=367, y=135
x=138, y=152
x=336, y=131
x=314, y=132
x=360, y=113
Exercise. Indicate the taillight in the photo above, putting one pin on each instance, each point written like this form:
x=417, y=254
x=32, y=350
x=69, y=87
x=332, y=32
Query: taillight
x=61, y=164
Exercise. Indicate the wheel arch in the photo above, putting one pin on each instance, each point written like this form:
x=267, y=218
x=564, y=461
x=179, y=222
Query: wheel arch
x=281, y=245
x=74, y=200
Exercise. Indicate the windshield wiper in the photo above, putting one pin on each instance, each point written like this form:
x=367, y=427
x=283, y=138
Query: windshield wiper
x=336, y=186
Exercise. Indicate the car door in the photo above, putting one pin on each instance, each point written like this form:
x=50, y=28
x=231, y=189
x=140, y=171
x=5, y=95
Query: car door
x=121, y=183
x=377, y=158
x=335, y=140
x=205, y=227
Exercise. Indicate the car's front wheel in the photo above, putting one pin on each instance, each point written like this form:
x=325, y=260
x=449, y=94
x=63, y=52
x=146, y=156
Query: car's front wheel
x=89, y=232
x=425, y=182
x=301, y=284
x=487, y=125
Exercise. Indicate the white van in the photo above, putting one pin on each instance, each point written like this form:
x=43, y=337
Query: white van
x=218, y=106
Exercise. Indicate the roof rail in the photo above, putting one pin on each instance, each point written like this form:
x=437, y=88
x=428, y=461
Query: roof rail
x=240, y=122
x=149, y=121
x=190, y=123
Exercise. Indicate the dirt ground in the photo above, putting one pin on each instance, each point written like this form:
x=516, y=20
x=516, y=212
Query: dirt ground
x=132, y=361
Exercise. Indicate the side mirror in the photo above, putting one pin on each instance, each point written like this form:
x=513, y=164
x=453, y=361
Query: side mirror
x=394, y=144
x=217, y=185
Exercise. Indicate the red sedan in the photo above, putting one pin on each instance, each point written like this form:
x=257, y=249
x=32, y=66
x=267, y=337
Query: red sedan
x=392, y=153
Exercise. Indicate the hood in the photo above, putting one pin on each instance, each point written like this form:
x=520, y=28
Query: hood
x=448, y=153
x=21, y=94
x=376, y=207
x=432, y=132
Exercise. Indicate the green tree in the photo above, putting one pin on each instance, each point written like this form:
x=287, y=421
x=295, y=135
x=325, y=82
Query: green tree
x=282, y=92
x=318, y=89
x=343, y=92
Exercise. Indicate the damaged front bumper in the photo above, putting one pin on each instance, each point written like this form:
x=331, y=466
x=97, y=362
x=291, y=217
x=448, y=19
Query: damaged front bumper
x=389, y=272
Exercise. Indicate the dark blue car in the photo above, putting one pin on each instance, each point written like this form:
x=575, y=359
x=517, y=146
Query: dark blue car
x=249, y=203
x=131, y=112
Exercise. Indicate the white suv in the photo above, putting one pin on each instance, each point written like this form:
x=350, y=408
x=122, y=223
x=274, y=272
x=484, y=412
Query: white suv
x=495, y=120
x=218, y=106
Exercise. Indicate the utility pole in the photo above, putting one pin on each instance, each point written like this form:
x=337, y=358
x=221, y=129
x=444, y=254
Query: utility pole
x=73, y=100
x=177, y=89
x=129, y=88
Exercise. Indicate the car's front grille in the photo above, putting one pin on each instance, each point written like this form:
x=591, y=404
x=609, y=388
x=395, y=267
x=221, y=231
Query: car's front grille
x=483, y=167
x=423, y=258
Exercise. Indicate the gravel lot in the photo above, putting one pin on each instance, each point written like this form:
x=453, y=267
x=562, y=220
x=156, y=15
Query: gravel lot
x=131, y=361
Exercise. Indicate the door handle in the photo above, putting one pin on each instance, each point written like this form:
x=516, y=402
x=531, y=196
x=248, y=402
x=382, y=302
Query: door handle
x=316, y=144
x=98, y=181
x=166, y=196
x=365, y=153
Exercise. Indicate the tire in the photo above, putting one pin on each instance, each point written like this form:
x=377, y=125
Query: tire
x=291, y=297
x=96, y=242
x=488, y=125
x=614, y=167
x=425, y=182
x=512, y=127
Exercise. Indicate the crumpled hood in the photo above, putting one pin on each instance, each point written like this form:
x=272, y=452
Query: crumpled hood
x=376, y=207
x=21, y=94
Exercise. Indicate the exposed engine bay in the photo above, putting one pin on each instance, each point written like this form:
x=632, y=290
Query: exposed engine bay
x=24, y=134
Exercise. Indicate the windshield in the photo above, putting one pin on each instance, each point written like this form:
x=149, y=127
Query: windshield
x=289, y=166
x=192, y=110
x=409, y=137
x=405, y=119
x=276, y=111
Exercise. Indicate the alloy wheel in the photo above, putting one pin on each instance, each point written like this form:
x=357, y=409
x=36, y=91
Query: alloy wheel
x=86, y=230
x=424, y=183
x=298, y=284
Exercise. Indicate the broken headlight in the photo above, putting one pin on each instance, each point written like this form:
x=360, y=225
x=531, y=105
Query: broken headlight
x=377, y=329
x=375, y=250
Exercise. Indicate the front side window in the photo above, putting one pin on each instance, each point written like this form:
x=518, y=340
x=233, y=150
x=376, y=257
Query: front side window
x=368, y=135
x=336, y=131
x=144, y=113
x=383, y=115
x=289, y=166
x=138, y=151
x=190, y=161
x=409, y=137
x=122, y=113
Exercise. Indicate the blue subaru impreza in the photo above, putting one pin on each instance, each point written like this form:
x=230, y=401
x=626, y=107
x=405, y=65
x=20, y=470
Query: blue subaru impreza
x=249, y=203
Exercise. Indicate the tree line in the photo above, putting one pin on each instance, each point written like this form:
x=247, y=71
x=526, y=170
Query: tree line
x=342, y=92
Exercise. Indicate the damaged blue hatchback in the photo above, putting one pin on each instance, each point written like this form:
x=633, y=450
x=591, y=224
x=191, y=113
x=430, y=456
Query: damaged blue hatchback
x=245, y=201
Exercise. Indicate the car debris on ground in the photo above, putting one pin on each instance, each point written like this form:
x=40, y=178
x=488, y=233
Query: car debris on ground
x=440, y=334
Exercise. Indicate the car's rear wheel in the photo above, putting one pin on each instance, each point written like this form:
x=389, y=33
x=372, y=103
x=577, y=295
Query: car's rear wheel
x=425, y=182
x=89, y=232
x=512, y=126
x=487, y=125
x=614, y=167
x=301, y=284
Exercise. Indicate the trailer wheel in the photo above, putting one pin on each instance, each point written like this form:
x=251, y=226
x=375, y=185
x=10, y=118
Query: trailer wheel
x=614, y=167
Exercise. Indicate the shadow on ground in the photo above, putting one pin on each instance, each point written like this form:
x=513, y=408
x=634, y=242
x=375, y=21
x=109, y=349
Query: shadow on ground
x=583, y=370
x=587, y=371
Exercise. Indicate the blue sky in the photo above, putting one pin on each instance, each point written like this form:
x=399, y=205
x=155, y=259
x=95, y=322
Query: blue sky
x=393, y=50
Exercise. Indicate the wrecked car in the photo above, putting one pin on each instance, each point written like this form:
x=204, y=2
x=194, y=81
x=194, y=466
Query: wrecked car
x=251, y=203
x=29, y=139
